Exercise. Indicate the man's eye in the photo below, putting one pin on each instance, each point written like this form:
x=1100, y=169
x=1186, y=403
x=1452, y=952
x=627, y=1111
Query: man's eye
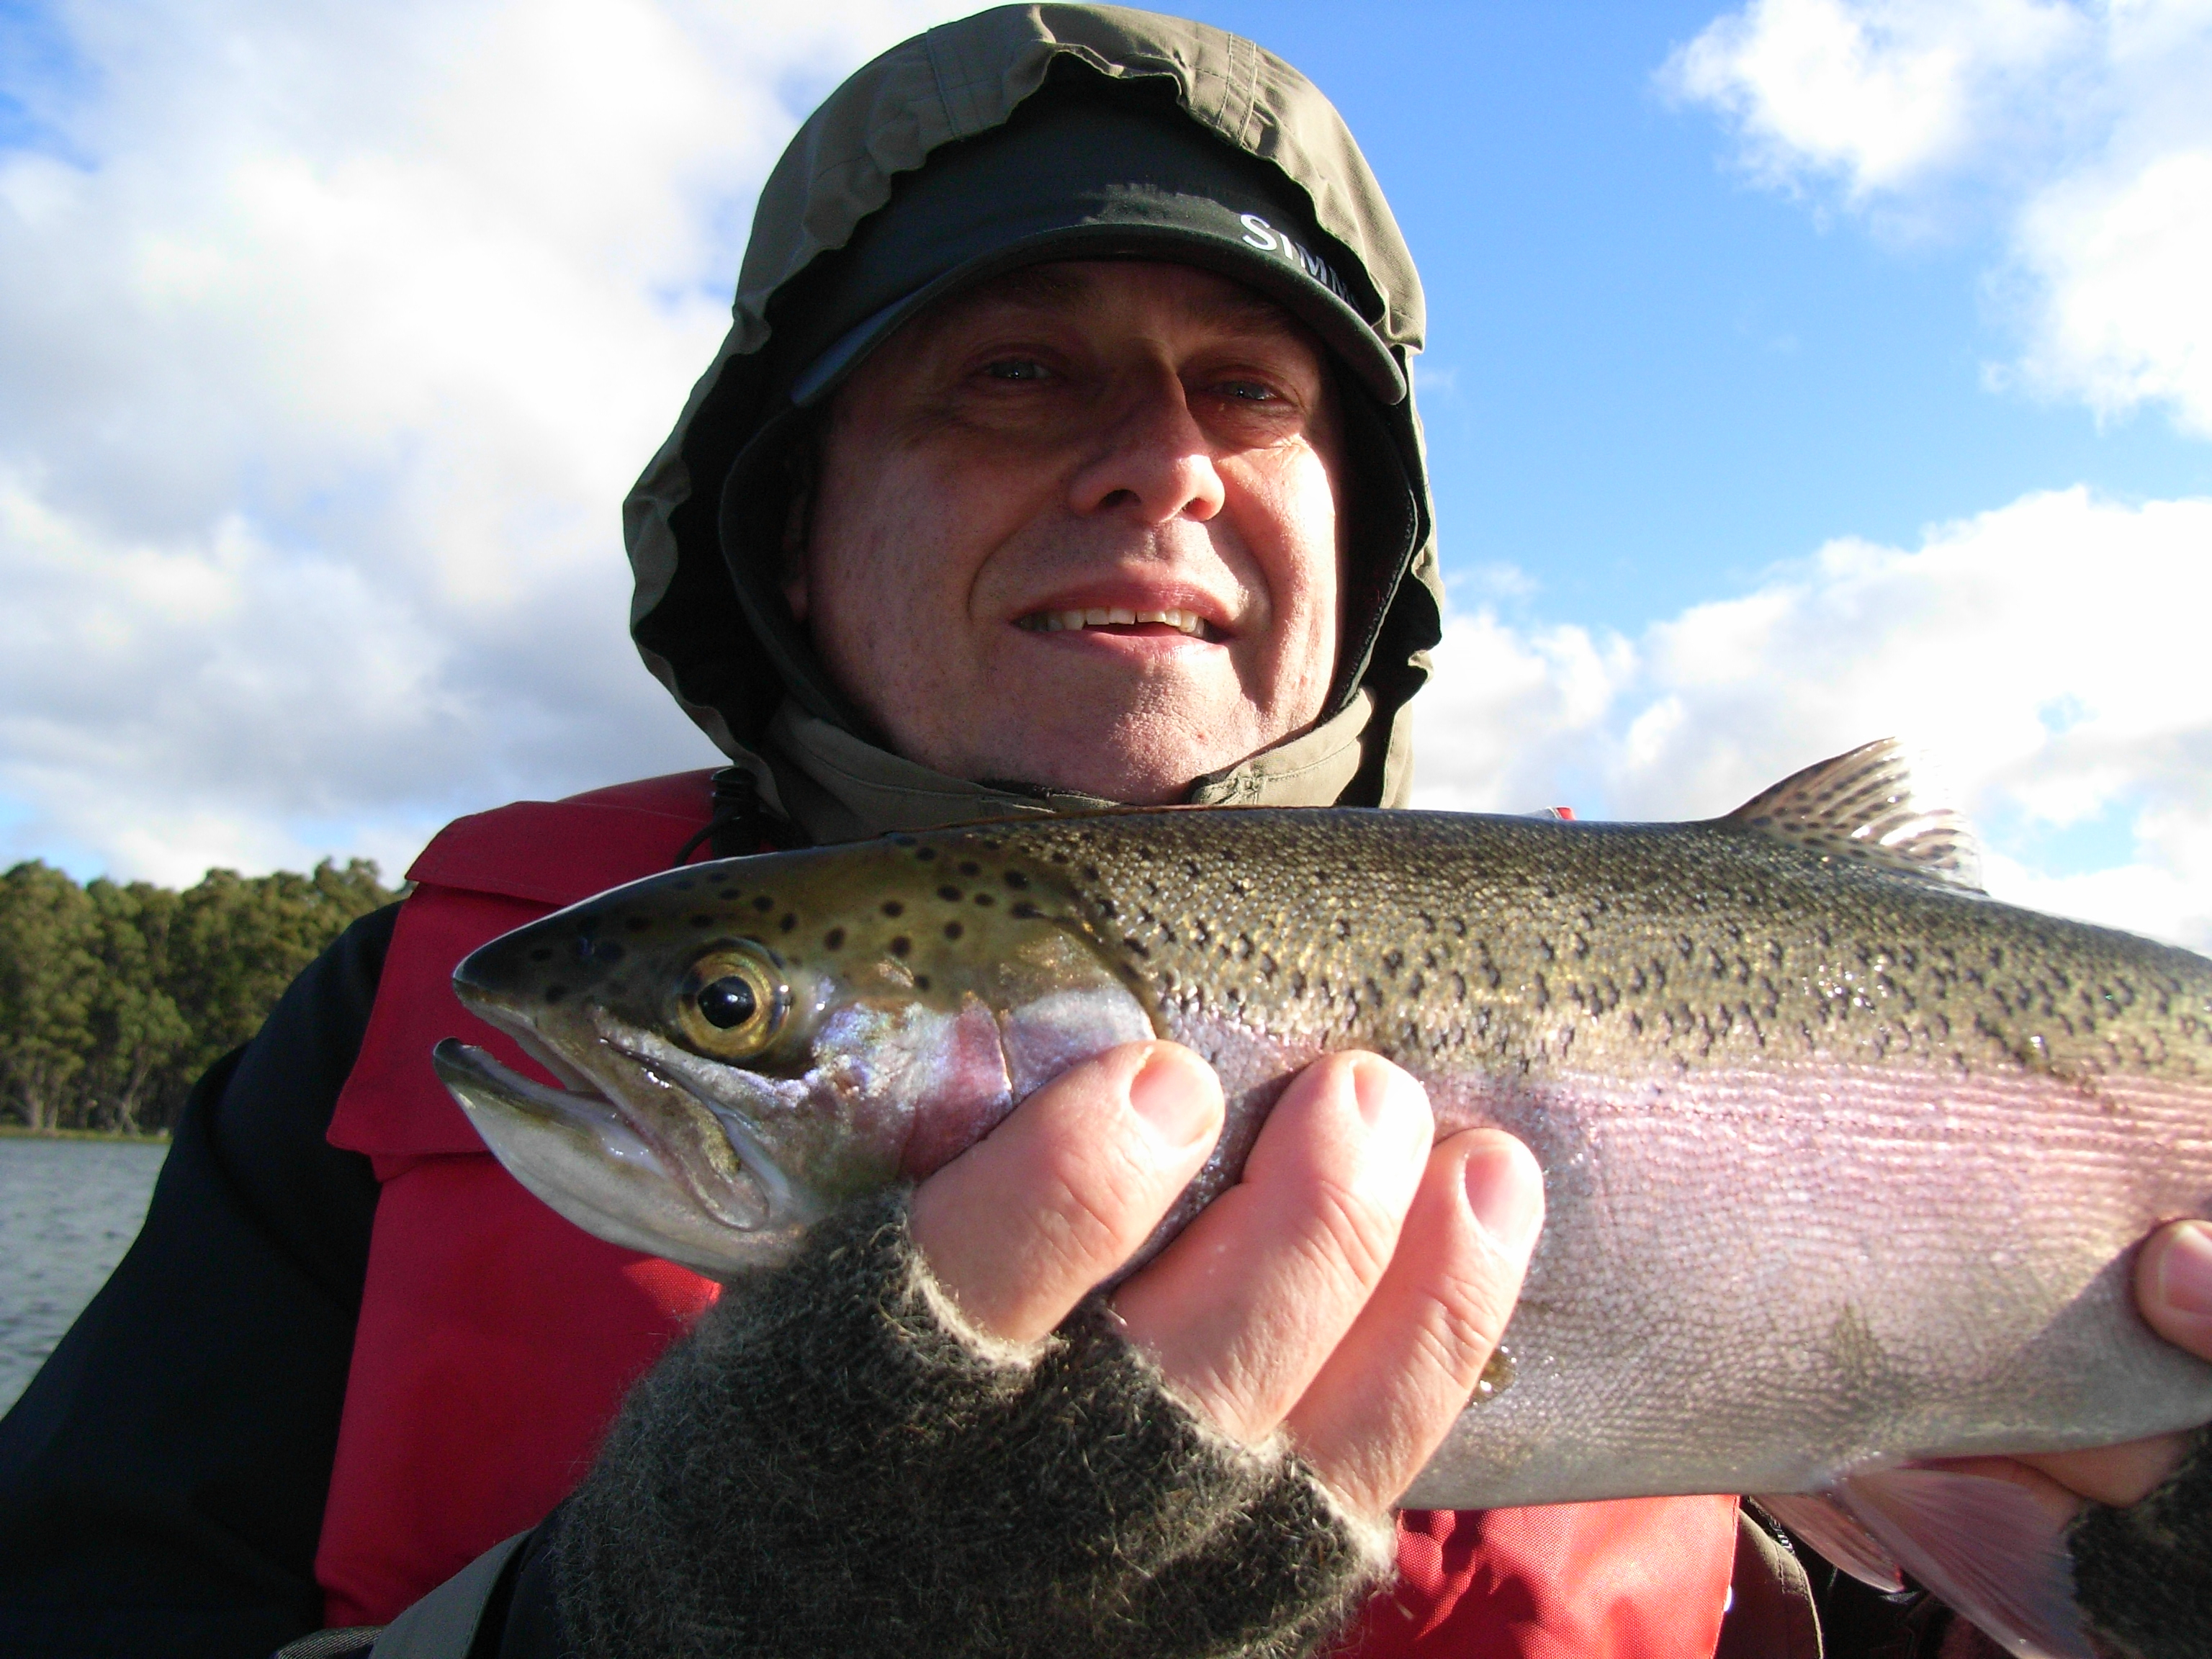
x=1248, y=391
x=1017, y=369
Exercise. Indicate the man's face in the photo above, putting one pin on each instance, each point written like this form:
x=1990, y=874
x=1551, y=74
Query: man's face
x=1019, y=484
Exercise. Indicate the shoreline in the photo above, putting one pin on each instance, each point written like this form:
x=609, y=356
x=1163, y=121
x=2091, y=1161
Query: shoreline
x=18, y=1132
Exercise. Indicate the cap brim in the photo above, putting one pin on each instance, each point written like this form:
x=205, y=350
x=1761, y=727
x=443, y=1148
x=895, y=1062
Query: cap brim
x=1273, y=272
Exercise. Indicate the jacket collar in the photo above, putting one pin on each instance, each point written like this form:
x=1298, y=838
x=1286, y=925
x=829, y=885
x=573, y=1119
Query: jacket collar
x=838, y=788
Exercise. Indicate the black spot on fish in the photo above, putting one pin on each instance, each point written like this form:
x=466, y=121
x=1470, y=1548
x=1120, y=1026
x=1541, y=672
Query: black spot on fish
x=893, y=908
x=731, y=895
x=1136, y=944
x=1026, y=910
x=922, y=982
x=950, y=894
x=555, y=993
x=1016, y=880
x=789, y=922
x=834, y=940
x=984, y=900
x=926, y=855
x=900, y=945
x=1090, y=873
x=969, y=867
x=763, y=904
x=953, y=930
x=540, y=954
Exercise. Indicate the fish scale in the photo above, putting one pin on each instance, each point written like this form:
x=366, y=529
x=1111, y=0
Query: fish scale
x=1844, y=1160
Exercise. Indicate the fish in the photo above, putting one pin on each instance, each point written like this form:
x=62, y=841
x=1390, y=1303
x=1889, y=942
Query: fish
x=1844, y=1161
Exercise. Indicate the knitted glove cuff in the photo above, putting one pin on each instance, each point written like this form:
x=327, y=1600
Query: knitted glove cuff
x=2144, y=1575
x=835, y=1462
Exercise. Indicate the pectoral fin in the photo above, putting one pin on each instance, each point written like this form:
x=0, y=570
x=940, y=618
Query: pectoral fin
x=1985, y=1546
x=1831, y=1528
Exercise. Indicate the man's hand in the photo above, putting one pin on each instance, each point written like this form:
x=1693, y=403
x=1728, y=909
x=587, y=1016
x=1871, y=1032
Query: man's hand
x=1349, y=1291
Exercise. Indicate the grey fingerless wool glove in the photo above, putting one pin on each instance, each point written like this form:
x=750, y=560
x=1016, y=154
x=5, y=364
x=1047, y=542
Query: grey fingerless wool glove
x=2144, y=1575
x=833, y=1462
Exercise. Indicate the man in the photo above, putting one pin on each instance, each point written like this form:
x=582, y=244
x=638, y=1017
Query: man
x=1061, y=453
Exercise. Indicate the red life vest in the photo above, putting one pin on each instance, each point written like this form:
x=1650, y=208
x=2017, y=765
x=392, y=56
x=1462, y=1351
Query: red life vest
x=495, y=1340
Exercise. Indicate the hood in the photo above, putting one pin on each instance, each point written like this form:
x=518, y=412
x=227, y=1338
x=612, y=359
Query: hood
x=734, y=668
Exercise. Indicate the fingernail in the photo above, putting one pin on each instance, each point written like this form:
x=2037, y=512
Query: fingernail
x=1391, y=1099
x=2184, y=1270
x=1169, y=1095
x=1506, y=1193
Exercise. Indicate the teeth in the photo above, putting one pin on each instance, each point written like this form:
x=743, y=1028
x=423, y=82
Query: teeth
x=1066, y=622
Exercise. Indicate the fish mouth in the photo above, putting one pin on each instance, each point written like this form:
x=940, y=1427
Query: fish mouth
x=669, y=1173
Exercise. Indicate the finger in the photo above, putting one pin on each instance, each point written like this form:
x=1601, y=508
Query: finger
x=2118, y=1475
x=1242, y=1308
x=1023, y=1225
x=2173, y=1285
x=1390, y=1394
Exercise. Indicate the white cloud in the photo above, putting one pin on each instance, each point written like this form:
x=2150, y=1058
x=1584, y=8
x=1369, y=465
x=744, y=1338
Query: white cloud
x=2087, y=123
x=2047, y=653
x=331, y=339
x=1878, y=93
x=2124, y=259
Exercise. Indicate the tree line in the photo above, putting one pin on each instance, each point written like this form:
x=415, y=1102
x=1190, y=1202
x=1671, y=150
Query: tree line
x=114, y=997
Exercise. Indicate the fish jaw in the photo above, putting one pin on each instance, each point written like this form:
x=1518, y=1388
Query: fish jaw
x=572, y=1150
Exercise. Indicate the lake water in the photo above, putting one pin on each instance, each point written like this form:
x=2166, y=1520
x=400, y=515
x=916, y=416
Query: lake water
x=69, y=1209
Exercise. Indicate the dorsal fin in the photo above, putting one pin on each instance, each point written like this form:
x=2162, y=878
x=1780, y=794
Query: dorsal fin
x=1865, y=805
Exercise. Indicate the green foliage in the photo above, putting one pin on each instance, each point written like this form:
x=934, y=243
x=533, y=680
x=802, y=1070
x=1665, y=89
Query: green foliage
x=114, y=998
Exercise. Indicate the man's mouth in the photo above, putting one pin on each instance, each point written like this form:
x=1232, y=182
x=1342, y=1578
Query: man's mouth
x=1116, y=617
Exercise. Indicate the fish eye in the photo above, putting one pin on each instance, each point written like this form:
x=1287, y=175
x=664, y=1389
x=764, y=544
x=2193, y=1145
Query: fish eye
x=728, y=1002
x=731, y=1003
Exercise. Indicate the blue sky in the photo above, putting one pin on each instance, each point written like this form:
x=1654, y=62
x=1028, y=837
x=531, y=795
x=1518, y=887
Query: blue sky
x=1657, y=377
x=1801, y=371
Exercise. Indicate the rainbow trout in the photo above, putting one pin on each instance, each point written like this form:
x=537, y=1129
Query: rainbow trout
x=1844, y=1161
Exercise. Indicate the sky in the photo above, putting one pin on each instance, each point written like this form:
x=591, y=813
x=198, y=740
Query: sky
x=1800, y=372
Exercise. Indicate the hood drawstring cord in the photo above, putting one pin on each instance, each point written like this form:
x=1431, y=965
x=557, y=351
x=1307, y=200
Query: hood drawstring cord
x=742, y=823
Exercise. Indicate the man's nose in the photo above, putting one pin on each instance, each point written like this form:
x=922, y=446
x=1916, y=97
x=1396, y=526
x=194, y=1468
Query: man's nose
x=1154, y=458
